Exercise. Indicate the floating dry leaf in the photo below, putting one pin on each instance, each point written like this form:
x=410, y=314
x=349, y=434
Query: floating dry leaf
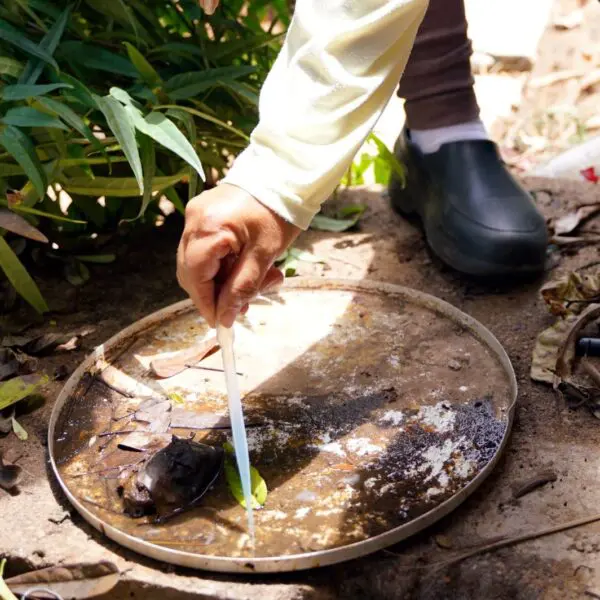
x=151, y=411
x=76, y=582
x=171, y=366
x=140, y=441
x=187, y=419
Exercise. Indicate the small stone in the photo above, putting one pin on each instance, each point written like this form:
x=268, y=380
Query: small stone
x=443, y=541
x=454, y=365
x=61, y=372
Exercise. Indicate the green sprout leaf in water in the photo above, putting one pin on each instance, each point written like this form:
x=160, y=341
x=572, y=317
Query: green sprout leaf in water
x=257, y=483
x=175, y=397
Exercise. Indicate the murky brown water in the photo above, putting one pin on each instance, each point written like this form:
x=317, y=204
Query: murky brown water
x=366, y=411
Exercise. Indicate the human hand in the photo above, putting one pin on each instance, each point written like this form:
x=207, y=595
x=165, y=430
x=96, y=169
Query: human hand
x=227, y=250
x=209, y=6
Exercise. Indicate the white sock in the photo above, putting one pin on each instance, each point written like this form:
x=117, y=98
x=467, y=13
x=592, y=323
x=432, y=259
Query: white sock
x=430, y=140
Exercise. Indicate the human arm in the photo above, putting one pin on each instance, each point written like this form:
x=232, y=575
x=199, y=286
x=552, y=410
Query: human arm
x=338, y=68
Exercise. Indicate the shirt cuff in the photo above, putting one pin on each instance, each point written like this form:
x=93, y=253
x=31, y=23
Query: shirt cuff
x=258, y=177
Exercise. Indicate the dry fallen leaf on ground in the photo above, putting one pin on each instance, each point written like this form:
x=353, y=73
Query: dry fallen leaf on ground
x=76, y=582
x=171, y=366
x=571, y=221
x=566, y=298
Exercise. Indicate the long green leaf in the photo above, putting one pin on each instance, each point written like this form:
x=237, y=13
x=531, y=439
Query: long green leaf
x=190, y=127
x=149, y=167
x=123, y=187
x=389, y=157
x=79, y=91
x=165, y=132
x=69, y=116
x=244, y=90
x=206, y=117
x=41, y=213
x=121, y=125
x=179, y=48
x=20, y=91
x=17, y=224
x=48, y=44
x=99, y=259
x=25, y=116
x=20, y=279
x=21, y=148
x=145, y=69
x=10, y=66
x=93, y=57
x=188, y=85
x=228, y=50
x=5, y=593
x=18, y=388
x=10, y=170
x=13, y=36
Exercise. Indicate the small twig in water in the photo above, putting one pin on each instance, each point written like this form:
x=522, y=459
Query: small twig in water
x=216, y=369
x=100, y=471
x=120, y=432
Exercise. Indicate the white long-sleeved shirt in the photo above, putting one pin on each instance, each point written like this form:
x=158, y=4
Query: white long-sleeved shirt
x=337, y=70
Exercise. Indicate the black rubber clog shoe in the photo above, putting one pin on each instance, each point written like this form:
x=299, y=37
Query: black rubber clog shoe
x=475, y=215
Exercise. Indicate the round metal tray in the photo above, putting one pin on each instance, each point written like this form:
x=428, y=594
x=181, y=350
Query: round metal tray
x=386, y=393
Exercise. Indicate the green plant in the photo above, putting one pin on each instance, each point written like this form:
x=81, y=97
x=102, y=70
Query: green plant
x=105, y=107
x=376, y=156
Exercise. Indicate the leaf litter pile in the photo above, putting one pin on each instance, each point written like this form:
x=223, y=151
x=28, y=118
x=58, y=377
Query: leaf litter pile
x=559, y=357
x=19, y=382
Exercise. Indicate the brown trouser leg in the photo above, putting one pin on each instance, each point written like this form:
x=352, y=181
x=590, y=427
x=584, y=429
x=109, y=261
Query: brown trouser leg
x=437, y=83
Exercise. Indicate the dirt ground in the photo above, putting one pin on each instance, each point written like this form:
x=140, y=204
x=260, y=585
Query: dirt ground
x=559, y=104
x=40, y=529
x=43, y=530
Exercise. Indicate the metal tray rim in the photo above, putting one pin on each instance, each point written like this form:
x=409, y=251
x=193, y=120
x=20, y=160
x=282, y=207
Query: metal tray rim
x=299, y=561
